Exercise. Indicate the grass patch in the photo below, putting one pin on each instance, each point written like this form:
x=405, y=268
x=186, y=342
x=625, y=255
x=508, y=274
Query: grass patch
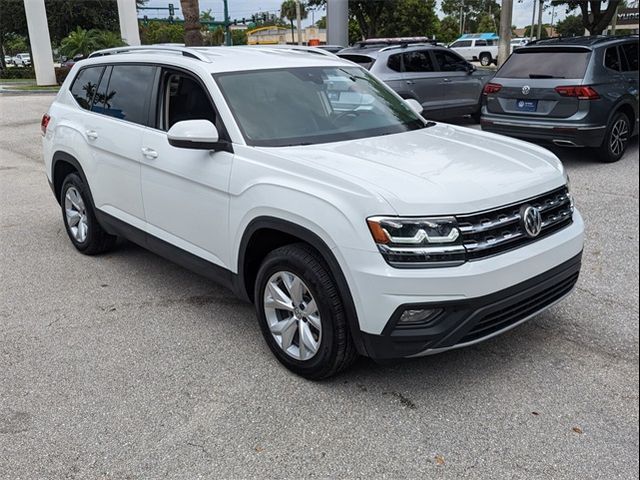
x=25, y=88
x=10, y=81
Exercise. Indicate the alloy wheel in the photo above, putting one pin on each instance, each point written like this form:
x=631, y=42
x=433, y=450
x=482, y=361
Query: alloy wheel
x=619, y=136
x=76, y=214
x=292, y=315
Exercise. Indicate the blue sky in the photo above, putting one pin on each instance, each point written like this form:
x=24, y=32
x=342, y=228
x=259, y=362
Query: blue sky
x=522, y=10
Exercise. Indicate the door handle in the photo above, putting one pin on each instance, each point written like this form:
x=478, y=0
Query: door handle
x=446, y=80
x=410, y=82
x=91, y=134
x=149, y=152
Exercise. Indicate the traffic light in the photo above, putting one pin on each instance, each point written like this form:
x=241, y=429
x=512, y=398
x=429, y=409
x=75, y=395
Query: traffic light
x=172, y=10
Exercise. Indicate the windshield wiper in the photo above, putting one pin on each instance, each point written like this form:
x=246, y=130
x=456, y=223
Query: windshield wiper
x=542, y=75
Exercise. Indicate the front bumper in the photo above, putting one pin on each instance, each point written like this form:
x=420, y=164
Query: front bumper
x=555, y=132
x=466, y=322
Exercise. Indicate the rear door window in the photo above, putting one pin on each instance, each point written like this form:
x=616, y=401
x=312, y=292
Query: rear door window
x=128, y=93
x=546, y=63
x=611, y=59
x=481, y=43
x=85, y=85
x=418, y=61
x=630, y=51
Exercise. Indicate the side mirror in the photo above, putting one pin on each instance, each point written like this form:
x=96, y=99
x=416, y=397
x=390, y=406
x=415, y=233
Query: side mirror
x=196, y=134
x=471, y=68
x=414, y=105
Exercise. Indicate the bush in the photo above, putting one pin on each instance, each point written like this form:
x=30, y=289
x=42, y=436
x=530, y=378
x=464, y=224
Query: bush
x=61, y=74
x=15, y=73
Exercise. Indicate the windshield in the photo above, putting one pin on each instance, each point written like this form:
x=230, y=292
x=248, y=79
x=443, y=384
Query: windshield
x=303, y=106
x=545, y=63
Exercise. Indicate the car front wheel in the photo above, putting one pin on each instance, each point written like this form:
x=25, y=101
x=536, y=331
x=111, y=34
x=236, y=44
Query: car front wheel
x=616, y=139
x=301, y=314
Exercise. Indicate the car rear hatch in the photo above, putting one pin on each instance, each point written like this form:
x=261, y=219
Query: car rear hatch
x=533, y=83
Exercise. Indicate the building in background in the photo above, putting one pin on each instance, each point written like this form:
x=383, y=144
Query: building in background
x=275, y=35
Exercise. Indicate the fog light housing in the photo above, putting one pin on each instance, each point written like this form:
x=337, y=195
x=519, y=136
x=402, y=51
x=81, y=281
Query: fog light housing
x=414, y=317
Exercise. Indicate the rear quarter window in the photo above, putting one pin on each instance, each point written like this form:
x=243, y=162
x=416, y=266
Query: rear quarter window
x=362, y=60
x=546, y=63
x=85, y=84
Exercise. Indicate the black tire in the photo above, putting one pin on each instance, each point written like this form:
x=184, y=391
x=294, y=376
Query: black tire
x=611, y=150
x=97, y=240
x=477, y=115
x=336, y=350
x=485, y=59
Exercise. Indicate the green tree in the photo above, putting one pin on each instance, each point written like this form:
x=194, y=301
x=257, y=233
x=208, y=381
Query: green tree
x=596, y=14
x=449, y=29
x=322, y=23
x=571, y=26
x=161, y=32
x=543, y=34
x=239, y=37
x=408, y=18
x=79, y=42
x=14, y=44
x=288, y=11
x=474, y=11
x=486, y=23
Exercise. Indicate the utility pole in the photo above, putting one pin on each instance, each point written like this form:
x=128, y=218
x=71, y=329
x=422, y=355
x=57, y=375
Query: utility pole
x=533, y=21
x=540, y=13
x=298, y=22
x=227, y=22
x=461, y=17
x=506, y=17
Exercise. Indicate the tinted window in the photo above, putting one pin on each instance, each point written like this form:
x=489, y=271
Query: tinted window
x=361, y=60
x=185, y=99
x=545, y=63
x=128, y=93
x=85, y=85
x=481, y=43
x=450, y=62
x=611, y=59
x=395, y=62
x=418, y=62
x=461, y=43
x=630, y=51
x=101, y=97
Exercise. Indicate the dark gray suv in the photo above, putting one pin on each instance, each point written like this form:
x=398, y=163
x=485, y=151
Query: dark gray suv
x=573, y=92
x=445, y=84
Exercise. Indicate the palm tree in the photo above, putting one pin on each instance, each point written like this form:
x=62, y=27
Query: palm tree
x=288, y=11
x=108, y=39
x=191, y=14
x=78, y=42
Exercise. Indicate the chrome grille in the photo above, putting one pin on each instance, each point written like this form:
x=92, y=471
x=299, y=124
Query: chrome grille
x=496, y=231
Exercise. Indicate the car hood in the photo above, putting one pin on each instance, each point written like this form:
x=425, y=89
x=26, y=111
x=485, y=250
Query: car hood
x=441, y=170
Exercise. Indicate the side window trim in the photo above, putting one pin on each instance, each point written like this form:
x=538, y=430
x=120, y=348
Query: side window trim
x=75, y=79
x=106, y=68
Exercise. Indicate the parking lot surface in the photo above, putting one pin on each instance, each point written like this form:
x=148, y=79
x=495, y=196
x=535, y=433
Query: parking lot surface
x=127, y=366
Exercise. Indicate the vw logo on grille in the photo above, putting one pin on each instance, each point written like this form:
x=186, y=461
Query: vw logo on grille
x=526, y=89
x=531, y=220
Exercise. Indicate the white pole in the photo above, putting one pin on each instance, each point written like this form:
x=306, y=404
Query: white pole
x=128, y=17
x=299, y=22
x=337, y=22
x=40, y=42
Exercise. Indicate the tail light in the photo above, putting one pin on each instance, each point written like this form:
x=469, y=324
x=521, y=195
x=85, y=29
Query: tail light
x=579, y=92
x=491, y=88
x=44, y=122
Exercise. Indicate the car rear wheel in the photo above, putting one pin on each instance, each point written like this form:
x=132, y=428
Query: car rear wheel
x=80, y=221
x=616, y=139
x=301, y=314
x=485, y=59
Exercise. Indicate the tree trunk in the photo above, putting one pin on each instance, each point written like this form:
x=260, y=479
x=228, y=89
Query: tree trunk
x=597, y=21
x=191, y=14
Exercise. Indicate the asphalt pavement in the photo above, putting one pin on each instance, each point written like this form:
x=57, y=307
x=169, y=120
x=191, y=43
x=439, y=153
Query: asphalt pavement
x=126, y=366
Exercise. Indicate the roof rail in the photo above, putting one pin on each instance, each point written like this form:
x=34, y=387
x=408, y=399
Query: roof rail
x=185, y=51
x=300, y=48
x=405, y=45
x=585, y=40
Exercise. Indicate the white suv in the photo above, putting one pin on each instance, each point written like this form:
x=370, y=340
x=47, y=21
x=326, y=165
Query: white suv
x=308, y=187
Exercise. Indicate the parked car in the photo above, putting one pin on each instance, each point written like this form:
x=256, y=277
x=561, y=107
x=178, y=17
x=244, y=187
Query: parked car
x=573, y=92
x=479, y=47
x=8, y=60
x=22, y=60
x=355, y=229
x=446, y=85
x=70, y=62
x=330, y=48
x=518, y=43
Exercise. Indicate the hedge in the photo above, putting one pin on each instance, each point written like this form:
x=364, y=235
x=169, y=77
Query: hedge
x=15, y=73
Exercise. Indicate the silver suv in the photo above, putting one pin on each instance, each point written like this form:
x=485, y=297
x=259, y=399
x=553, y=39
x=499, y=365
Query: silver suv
x=444, y=83
x=572, y=92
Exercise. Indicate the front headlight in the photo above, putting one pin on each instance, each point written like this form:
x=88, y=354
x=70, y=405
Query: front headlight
x=418, y=242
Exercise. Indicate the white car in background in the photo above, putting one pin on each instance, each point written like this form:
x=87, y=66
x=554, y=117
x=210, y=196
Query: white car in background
x=353, y=224
x=22, y=59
